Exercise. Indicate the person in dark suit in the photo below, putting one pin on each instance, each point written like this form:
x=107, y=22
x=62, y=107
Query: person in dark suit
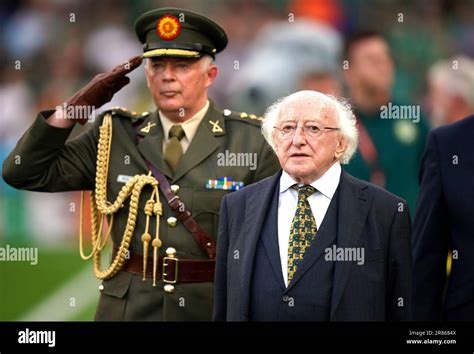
x=312, y=242
x=444, y=220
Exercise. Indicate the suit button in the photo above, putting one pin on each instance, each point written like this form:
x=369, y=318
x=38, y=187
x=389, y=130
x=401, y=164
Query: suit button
x=101, y=287
x=168, y=288
x=285, y=298
x=175, y=188
x=172, y=221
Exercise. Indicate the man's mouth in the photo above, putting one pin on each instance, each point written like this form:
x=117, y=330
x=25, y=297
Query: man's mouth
x=299, y=154
x=168, y=93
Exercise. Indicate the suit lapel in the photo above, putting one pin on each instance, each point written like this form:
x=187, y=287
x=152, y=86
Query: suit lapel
x=151, y=145
x=256, y=208
x=203, y=144
x=270, y=238
x=354, y=203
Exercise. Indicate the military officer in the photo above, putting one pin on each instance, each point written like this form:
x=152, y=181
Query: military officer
x=160, y=175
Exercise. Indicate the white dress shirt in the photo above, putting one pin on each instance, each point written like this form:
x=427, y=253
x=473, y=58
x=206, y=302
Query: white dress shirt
x=190, y=127
x=319, y=202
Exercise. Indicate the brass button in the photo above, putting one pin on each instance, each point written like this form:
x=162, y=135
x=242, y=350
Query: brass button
x=101, y=287
x=168, y=288
x=172, y=221
x=171, y=252
x=175, y=188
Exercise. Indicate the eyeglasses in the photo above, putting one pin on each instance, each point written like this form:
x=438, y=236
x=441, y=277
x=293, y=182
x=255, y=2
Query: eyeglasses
x=311, y=130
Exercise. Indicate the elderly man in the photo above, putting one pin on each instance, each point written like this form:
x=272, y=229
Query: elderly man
x=311, y=242
x=161, y=271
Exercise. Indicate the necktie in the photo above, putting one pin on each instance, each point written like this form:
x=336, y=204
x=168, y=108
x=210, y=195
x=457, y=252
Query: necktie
x=173, y=150
x=302, y=231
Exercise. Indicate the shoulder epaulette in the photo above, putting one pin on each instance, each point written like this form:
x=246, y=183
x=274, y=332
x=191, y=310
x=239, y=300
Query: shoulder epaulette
x=243, y=117
x=122, y=111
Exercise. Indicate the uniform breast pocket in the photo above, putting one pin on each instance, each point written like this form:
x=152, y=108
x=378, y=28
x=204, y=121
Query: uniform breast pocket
x=206, y=204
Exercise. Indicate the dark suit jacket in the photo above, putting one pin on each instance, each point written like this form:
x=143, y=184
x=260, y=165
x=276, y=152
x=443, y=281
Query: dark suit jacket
x=444, y=220
x=369, y=217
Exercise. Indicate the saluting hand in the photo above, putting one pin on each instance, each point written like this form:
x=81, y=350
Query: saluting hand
x=101, y=89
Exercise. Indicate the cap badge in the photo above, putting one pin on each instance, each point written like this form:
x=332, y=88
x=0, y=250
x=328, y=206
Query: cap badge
x=168, y=27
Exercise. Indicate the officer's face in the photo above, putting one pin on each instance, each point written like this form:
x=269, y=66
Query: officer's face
x=179, y=86
x=302, y=156
x=370, y=66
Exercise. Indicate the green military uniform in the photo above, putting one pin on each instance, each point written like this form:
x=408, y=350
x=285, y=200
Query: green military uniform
x=50, y=163
x=399, y=144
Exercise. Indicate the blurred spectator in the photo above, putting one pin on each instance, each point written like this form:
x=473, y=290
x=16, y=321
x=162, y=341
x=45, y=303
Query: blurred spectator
x=326, y=82
x=392, y=135
x=15, y=113
x=451, y=90
x=242, y=21
x=329, y=12
x=27, y=26
x=112, y=36
x=279, y=56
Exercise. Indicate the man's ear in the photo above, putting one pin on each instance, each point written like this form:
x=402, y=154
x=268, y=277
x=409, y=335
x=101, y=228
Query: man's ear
x=211, y=74
x=341, y=146
x=146, y=67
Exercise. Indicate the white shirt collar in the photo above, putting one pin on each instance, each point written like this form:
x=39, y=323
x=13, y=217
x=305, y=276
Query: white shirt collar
x=326, y=184
x=190, y=126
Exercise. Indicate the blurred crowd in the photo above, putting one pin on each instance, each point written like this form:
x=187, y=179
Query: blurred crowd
x=50, y=48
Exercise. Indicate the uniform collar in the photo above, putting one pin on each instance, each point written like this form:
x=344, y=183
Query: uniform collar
x=190, y=126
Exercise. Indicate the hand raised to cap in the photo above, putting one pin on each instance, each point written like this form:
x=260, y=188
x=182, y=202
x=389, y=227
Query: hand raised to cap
x=102, y=87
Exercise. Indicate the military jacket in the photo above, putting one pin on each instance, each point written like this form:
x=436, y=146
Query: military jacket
x=52, y=163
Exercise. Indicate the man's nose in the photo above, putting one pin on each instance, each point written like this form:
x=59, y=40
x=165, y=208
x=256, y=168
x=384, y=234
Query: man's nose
x=168, y=74
x=300, y=137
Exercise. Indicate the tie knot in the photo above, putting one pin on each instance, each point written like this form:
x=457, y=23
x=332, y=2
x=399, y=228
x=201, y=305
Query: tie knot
x=304, y=191
x=176, y=131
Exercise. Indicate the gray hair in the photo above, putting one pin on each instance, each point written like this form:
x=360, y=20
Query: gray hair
x=345, y=117
x=457, y=80
x=206, y=61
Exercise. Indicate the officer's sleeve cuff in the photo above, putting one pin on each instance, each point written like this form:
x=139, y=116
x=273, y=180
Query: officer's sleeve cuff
x=40, y=130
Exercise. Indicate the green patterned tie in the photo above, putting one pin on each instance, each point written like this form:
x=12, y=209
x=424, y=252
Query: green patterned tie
x=303, y=230
x=173, y=150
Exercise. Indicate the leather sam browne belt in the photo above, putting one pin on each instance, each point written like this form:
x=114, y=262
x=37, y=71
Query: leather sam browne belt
x=173, y=270
x=202, y=238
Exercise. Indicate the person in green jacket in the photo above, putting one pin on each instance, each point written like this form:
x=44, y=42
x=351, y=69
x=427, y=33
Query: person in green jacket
x=157, y=178
x=392, y=134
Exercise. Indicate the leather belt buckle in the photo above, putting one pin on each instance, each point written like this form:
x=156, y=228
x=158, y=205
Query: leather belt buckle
x=165, y=272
